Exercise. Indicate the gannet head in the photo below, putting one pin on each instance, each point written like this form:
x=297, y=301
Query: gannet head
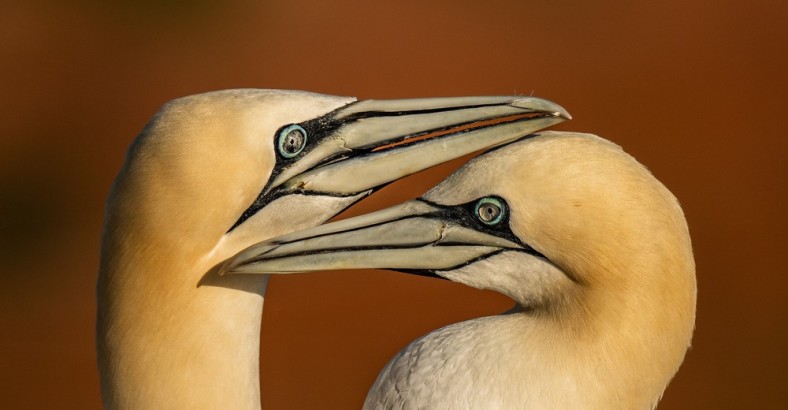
x=229, y=168
x=591, y=246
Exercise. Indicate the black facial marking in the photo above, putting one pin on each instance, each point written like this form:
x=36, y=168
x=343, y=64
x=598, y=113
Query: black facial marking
x=317, y=130
x=326, y=126
x=466, y=215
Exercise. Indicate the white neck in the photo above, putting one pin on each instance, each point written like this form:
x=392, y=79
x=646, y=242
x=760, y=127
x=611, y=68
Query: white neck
x=513, y=361
x=613, y=348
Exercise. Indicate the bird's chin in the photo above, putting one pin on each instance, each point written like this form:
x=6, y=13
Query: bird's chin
x=504, y=273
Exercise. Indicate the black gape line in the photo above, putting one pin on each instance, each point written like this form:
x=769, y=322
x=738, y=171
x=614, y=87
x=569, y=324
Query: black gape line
x=431, y=273
x=463, y=214
x=466, y=215
x=323, y=127
x=317, y=130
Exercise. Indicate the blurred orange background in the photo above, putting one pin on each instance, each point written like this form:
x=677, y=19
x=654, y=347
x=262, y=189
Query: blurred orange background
x=696, y=90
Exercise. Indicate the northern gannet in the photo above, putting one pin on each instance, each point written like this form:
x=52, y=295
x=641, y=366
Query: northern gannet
x=213, y=173
x=592, y=248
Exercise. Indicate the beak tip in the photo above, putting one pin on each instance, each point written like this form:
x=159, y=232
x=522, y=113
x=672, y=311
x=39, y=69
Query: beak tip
x=539, y=104
x=561, y=112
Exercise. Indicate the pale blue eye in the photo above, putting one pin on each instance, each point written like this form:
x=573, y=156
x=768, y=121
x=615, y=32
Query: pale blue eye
x=490, y=210
x=291, y=141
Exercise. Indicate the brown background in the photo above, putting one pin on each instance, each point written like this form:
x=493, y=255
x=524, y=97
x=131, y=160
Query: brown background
x=695, y=89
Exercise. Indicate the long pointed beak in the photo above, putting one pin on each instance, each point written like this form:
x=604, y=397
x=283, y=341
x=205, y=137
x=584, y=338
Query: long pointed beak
x=414, y=236
x=368, y=144
x=374, y=142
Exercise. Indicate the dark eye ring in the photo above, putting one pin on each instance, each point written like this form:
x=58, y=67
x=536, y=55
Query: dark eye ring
x=291, y=141
x=490, y=210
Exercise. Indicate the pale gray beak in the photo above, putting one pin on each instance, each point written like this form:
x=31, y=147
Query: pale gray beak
x=378, y=141
x=365, y=145
x=416, y=237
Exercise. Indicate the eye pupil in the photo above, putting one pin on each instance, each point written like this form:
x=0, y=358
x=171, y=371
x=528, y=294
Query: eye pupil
x=490, y=210
x=292, y=141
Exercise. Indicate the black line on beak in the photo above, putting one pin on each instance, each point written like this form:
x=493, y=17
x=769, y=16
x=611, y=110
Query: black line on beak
x=321, y=128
